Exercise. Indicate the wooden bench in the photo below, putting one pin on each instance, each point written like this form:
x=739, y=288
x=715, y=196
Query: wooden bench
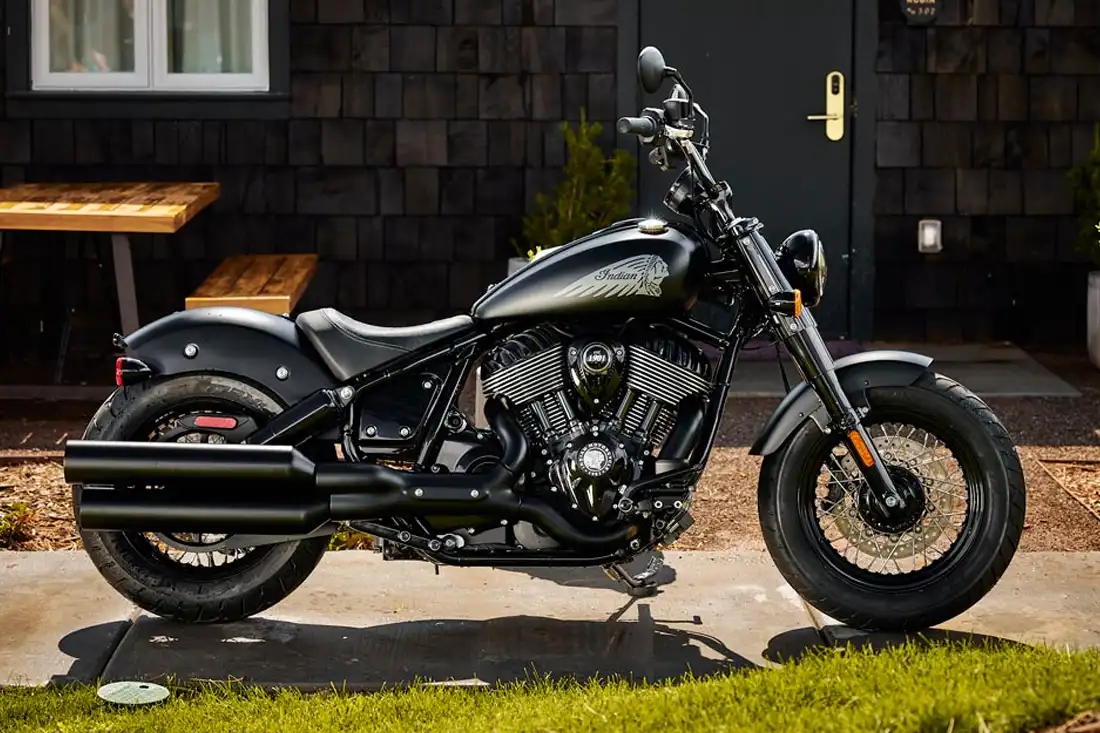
x=269, y=283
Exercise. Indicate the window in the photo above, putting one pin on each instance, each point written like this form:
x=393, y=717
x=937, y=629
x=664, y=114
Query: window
x=150, y=45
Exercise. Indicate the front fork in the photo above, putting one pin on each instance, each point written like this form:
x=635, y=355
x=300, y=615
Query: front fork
x=798, y=331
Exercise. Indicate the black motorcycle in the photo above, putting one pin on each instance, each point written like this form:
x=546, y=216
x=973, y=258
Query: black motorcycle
x=208, y=485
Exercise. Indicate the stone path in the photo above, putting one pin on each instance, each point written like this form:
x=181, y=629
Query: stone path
x=365, y=624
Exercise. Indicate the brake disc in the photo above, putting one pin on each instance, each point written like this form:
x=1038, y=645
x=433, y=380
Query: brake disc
x=904, y=452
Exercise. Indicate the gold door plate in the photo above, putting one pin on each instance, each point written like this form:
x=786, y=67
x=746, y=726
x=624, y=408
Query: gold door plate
x=834, y=106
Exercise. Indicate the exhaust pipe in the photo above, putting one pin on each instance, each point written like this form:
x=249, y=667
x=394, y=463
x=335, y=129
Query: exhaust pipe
x=275, y=489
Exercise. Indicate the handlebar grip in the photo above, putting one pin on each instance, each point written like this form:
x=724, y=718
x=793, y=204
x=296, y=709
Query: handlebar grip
x=644, y=126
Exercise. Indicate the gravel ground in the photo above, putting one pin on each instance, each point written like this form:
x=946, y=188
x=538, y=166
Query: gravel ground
x=1061, y=516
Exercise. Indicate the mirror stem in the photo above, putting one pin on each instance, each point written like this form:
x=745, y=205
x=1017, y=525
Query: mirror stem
x=675, y=75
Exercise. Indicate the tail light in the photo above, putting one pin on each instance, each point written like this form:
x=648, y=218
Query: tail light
x=130, y=371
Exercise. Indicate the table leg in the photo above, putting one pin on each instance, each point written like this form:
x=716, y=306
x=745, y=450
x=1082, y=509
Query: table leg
x=124, y=283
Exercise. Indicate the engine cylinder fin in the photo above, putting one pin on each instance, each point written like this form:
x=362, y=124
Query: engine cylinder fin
x=541, y=419
x=529, y=379
x=636, y=414
x=559, y=420
x=660, y=379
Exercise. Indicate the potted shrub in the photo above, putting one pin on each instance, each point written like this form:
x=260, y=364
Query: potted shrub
x=1085, y=182
x=594, y=193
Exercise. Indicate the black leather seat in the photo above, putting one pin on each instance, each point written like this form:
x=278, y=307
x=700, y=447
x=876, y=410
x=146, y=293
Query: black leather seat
x=350, y=347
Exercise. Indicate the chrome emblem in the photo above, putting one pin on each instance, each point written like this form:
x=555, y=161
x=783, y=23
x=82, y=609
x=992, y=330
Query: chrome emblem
x=638, y=275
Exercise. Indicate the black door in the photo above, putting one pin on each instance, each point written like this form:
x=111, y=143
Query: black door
x=760, y=68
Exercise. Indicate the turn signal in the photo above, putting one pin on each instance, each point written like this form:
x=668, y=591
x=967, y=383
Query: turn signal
x=861, y=448
x=787, y=303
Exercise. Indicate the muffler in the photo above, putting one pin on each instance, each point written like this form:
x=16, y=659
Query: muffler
x=256, y=489
x=275, y=489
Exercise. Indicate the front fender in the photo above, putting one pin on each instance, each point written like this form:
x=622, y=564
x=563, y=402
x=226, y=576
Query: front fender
x=239, y=342
x=856, y=374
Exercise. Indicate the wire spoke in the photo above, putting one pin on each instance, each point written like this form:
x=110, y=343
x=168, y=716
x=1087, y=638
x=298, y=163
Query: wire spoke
x=841, y=505
x=191, y=549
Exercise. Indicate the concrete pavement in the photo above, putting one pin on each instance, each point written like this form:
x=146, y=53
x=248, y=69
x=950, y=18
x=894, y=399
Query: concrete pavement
x=364, y=623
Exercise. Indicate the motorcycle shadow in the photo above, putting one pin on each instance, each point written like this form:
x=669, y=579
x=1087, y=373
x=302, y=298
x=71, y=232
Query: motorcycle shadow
x=276, y=653
x=790, y=646
x=594, y=577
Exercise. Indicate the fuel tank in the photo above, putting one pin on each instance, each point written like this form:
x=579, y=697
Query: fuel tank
x=634, y=267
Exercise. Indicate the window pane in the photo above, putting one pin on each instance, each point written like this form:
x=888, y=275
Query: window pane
x=210, y=36
x=92, y=36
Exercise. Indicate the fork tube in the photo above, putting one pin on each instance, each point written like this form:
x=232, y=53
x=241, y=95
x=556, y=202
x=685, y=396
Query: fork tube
x=811, y=355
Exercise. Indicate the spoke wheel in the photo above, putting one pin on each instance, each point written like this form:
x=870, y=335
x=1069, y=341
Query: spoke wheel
x=863, y=542
x=192, y=577
x=958, y=472
x=199, y=554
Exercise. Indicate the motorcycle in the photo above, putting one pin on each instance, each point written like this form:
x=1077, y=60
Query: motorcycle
x=208, y=485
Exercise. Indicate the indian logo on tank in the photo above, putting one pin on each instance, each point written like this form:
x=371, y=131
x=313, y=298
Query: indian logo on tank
x=638, y=275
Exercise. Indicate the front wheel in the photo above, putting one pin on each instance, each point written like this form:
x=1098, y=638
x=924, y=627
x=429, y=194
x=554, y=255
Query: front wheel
x=954, y=460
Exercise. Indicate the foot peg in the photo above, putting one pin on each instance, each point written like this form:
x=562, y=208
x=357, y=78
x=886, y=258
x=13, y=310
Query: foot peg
x=641, y=585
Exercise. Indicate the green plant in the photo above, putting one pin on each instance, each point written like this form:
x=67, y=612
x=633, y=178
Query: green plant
x=594, y=193
x=345, y=538
x=1084, y=180
x=15, y=526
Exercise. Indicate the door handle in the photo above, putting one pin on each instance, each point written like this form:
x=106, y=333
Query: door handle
x=834, y=107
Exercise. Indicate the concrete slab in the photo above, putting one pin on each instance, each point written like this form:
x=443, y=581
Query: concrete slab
x=1045, y=598
x=59, y=619
x=366, y=624
x=990, y=370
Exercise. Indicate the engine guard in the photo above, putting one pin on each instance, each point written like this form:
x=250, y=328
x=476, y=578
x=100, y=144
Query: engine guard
x=856, y=373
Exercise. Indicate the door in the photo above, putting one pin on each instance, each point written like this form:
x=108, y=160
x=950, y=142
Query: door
x=759, y=68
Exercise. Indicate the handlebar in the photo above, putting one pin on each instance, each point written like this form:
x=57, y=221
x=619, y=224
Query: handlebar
x=643, y=126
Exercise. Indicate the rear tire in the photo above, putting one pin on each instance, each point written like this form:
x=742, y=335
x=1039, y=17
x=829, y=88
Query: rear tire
x=948, y=585
x=255, y=582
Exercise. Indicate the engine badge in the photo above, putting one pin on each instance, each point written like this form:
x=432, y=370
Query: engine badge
x=652, y=226
x=595, y=459
x=596, y=358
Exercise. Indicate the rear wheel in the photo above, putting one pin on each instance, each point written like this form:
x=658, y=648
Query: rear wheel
x=955, y=463
x=193, y=577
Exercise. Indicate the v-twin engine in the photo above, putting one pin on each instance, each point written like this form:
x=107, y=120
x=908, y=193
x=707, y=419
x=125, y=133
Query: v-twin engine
x=598, y=411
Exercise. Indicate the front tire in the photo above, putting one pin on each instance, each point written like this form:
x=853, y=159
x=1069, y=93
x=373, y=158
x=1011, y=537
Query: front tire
x=932, y=589
x=136, y=565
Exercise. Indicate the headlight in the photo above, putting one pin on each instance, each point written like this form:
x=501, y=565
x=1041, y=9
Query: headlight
x=801, y=258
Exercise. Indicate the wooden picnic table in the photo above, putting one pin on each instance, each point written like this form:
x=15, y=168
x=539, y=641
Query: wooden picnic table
x=119, y=209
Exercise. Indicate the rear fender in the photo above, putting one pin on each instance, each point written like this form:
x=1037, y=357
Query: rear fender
x=258, y=347
x=856, y=373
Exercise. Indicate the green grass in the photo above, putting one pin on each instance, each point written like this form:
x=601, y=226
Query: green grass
x=907, y=688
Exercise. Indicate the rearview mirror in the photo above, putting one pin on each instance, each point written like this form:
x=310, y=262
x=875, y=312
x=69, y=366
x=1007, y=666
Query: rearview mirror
x=651, y=69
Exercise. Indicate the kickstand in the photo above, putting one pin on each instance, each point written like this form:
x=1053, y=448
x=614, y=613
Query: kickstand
x=641, y=585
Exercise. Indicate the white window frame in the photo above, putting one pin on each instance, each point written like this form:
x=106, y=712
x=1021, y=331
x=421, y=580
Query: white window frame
x=150, y=58
x=43, y=78
x=256, y=81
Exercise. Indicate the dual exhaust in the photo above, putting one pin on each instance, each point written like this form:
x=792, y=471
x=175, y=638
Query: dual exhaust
x=277, y=490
